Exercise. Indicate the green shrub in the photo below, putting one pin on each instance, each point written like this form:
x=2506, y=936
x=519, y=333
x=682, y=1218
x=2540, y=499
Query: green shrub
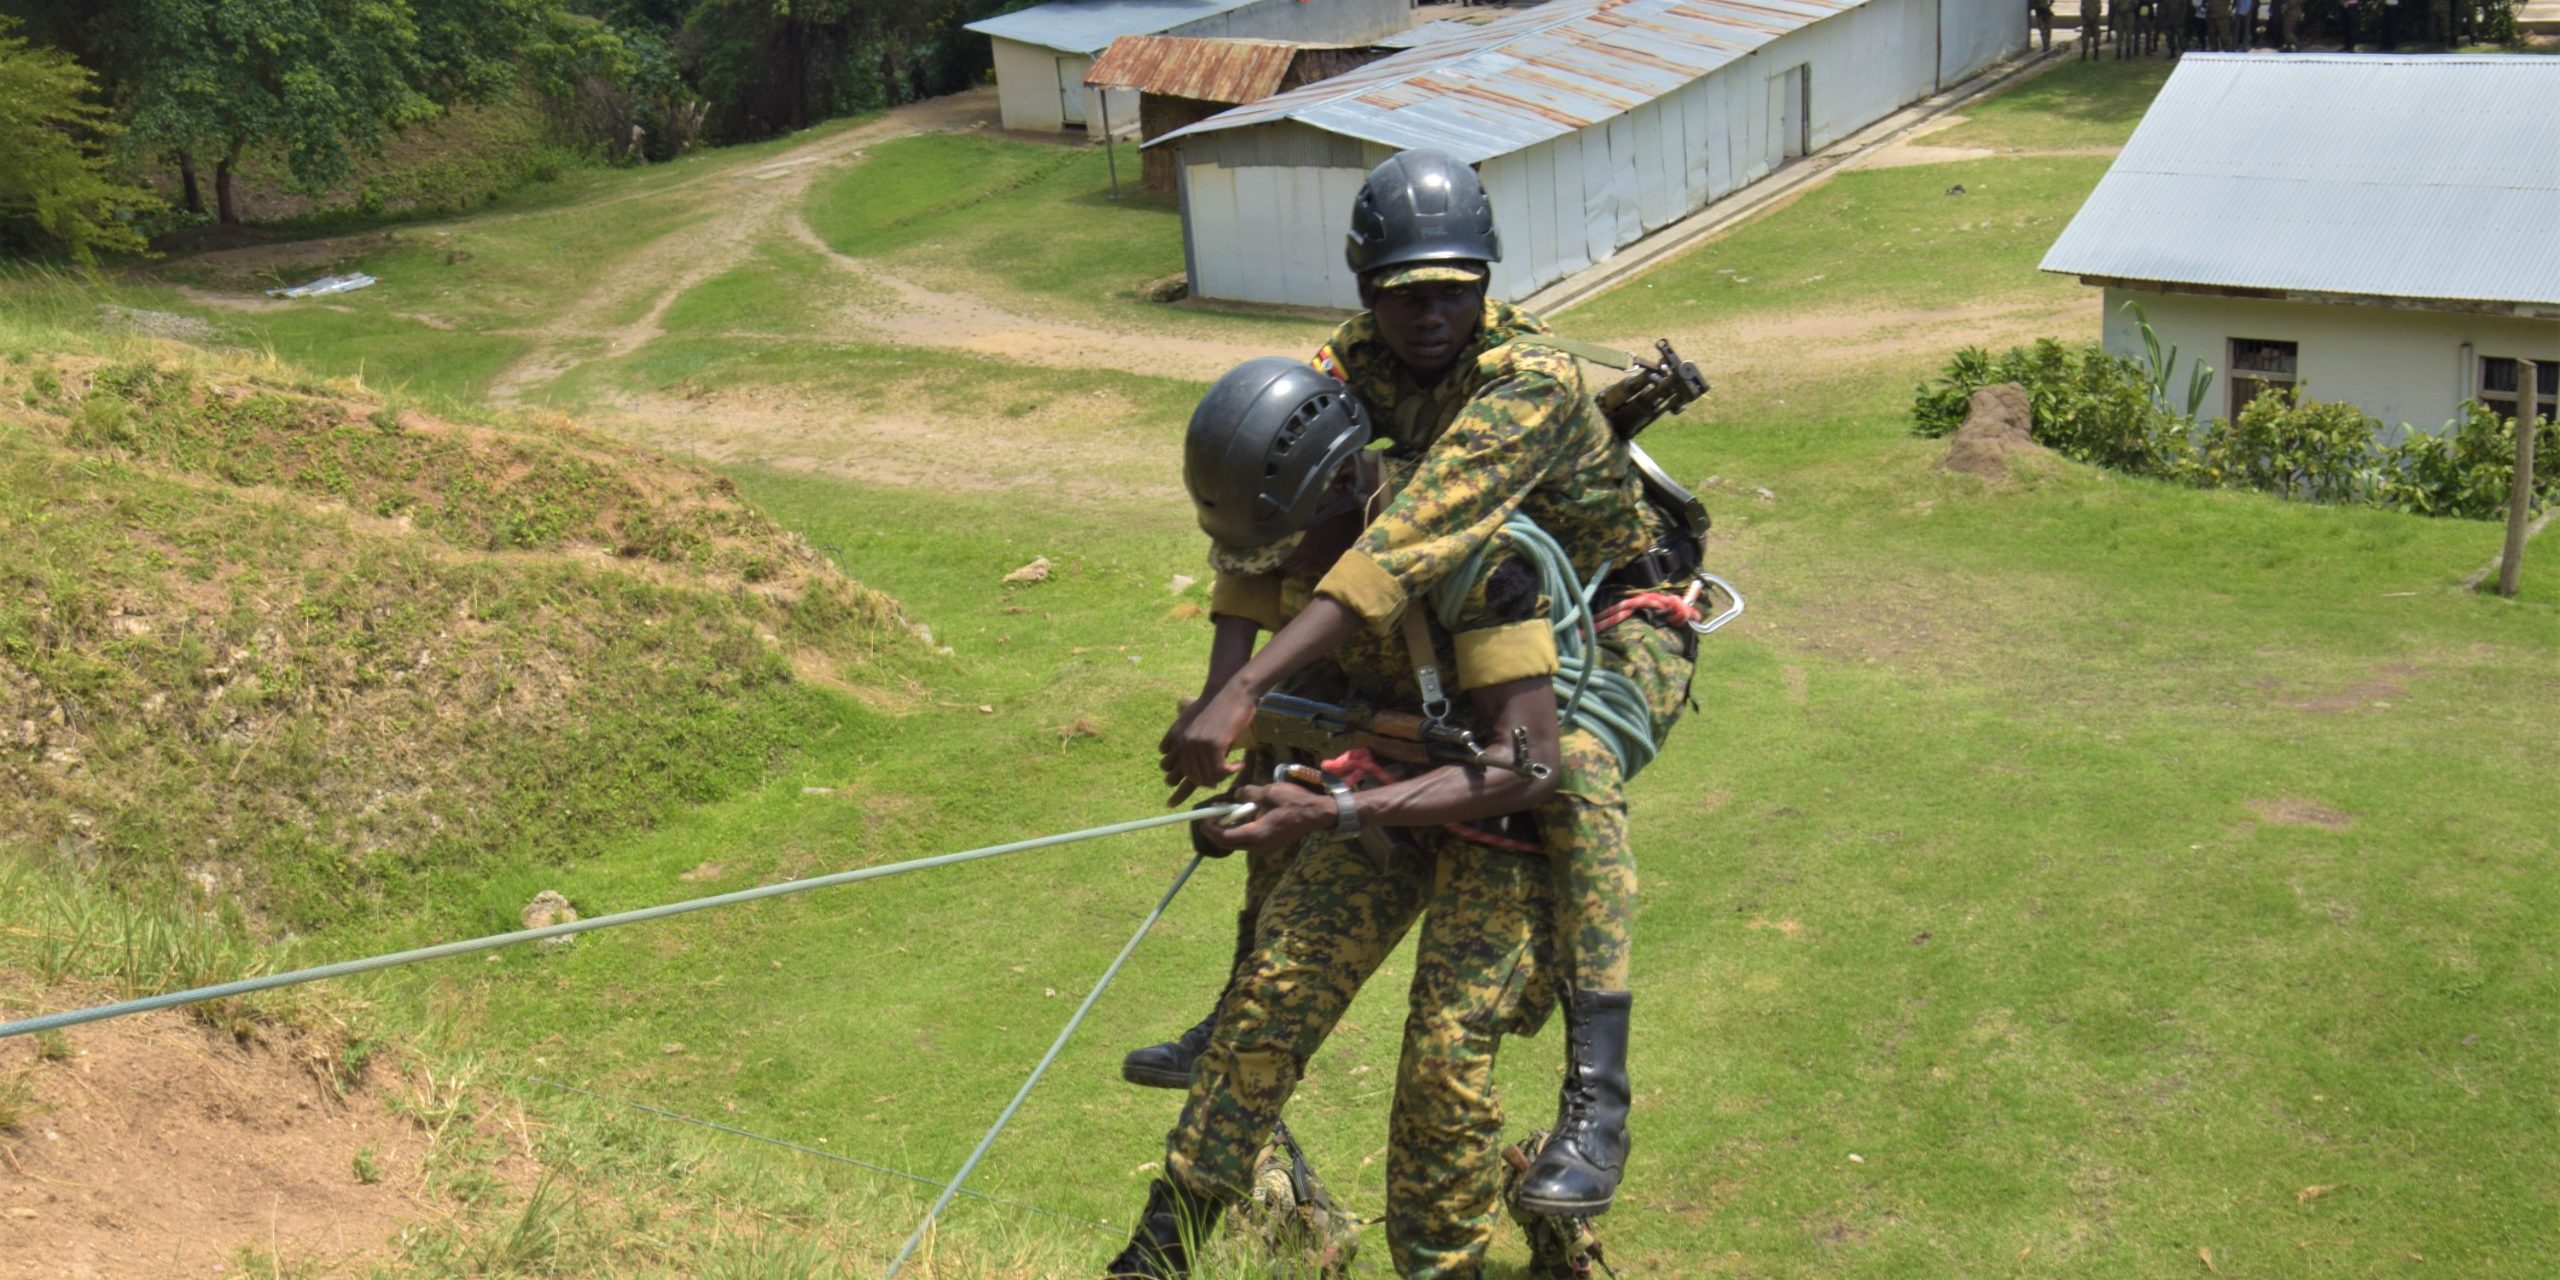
x=2467, y=471
x=2288, y=445
x=2086, y=404
x=2103, y=409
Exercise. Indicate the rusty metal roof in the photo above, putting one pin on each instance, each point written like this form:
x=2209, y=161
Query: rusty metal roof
x=1212, y=70
x=1531, y=75
x=2428, y=176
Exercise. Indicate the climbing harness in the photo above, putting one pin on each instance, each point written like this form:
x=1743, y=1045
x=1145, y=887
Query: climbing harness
x=71, y=1018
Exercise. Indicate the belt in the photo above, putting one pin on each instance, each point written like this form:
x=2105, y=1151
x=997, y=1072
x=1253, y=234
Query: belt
x=1658, y=565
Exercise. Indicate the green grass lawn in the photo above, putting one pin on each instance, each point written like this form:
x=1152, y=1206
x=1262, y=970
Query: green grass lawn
x=2076, y=104
x=1885, y=240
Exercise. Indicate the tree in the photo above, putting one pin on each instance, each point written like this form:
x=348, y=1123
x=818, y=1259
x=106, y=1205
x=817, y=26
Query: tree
x=54, y=183
x=323, y=79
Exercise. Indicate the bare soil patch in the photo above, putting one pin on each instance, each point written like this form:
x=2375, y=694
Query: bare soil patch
x=1078, y=456
x=2295, y=811
x=2385, y=685
x=161, y=1148
x=747, y=209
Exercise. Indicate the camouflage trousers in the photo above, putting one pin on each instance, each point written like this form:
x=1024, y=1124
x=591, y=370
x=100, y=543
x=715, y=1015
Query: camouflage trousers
x=1334, y=915
x=1584, y=826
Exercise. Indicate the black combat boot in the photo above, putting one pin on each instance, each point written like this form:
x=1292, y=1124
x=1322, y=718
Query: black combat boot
x=1168, y=1065
x=1160, y=1249
x=1577, y=1174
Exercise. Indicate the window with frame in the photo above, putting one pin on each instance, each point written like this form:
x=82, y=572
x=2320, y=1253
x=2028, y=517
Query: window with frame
x=2498, y=387
x=2261, y=364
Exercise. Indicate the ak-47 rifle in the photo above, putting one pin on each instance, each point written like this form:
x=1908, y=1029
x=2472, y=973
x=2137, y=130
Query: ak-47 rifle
x=1304, y=724
x=1648, y=391
x=1643, y=394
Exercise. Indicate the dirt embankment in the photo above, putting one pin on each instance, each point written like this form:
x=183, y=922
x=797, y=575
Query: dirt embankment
x=156, y=1146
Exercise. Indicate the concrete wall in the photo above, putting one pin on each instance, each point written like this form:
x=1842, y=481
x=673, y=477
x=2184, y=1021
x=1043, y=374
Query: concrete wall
x=1574, y=200
x=2402, y=366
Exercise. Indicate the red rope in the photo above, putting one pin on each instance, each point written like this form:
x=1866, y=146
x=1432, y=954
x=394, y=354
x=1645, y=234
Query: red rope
x=1672, y=608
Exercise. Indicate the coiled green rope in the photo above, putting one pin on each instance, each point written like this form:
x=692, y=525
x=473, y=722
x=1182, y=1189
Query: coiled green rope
x=1589, y=696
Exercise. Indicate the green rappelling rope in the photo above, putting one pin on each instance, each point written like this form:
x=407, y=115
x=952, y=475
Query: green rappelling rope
x=1589, y=696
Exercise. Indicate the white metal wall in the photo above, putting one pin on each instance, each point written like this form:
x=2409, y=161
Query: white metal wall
x=1973, y=34
x=1265, y=207
x=2405, y=367
x=1572, y=201
x=1270, y=233
x=1027, y=86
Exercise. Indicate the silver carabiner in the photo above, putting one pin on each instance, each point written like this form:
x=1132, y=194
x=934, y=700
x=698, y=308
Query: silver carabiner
x=1709, y=625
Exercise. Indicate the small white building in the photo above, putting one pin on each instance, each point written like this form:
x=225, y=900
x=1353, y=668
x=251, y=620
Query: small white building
x=2377, y=229
x=1592, y=122
x=1042, y=53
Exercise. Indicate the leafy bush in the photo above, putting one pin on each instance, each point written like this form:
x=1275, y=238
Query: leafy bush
x=2467, y=471
x=2087, y=404
x=2288, y=445
x=2101, y=409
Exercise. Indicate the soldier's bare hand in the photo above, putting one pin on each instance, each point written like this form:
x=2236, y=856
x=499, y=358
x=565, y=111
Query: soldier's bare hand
x=1284, y=814
x=1201, y=745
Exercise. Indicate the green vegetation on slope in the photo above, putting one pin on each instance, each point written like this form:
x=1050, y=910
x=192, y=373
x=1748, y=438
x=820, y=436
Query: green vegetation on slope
x=283, y=636
x=2125, y=875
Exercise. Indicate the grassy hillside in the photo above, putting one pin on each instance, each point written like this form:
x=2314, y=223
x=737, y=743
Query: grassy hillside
x=275, y=634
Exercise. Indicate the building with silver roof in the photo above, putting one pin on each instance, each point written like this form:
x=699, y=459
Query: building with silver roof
x=1593, y=123
x=2380, y=229
x=1043, y=52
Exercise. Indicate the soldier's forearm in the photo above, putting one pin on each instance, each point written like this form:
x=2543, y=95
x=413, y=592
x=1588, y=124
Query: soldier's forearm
x=1453, y=793
x=1316, y=632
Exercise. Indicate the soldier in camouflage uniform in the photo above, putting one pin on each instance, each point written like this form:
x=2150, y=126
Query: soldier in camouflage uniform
x=1339, y=907
x=1484, y=419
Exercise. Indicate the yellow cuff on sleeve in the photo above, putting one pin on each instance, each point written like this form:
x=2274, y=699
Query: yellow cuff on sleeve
x=1357, y=583
x=1253, y=596
x=1498, y=655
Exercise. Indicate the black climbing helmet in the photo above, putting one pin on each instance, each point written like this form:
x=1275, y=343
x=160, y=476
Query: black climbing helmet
x=1421, y=206
x=1264, y=447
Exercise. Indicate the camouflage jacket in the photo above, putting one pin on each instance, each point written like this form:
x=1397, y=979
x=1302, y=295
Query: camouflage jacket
x=1510, y=427
x=1494, y=639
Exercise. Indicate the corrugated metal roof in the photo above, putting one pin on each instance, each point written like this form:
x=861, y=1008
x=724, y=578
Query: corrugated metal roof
x=1531, y=75
x=2429, y=177
x=1195, y=67
x=1429, y=32
x=1082, y=26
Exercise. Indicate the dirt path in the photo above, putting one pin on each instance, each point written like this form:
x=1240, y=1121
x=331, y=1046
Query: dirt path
x=959, y=322
x=749, y=207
